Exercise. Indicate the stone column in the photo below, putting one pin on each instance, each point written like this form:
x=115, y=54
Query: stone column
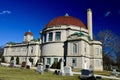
x=53, y=36
x=89, y=22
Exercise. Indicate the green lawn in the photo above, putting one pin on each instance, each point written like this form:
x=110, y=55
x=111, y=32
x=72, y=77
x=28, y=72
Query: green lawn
x=7, y=73
x=105, y=73
x=24, y=74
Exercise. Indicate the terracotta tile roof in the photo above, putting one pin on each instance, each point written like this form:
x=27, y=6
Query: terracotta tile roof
x=66, y=20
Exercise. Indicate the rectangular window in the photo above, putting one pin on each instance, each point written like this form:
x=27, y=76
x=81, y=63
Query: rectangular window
x=13, y=49
x=50, y=36
x=24, y=49
x=97, y=51
x=31, y=50
x=74, y=48
x=58, y=36
x=55, y=59
x=97, y=63
x=44, y=37
x=23, y=59
x=48, y=61
x=74, y=62
x=85, y=49
x=100, y=51
x=18, y=49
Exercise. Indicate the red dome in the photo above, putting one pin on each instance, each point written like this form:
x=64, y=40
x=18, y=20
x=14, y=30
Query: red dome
x=28, y=33
x=66, y=20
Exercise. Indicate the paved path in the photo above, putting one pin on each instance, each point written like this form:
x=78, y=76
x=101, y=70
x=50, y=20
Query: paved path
x=109, y=77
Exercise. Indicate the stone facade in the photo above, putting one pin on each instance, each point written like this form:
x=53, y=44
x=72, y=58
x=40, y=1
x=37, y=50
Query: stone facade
x=88, y=52
x=64, y=37
x=29, y=49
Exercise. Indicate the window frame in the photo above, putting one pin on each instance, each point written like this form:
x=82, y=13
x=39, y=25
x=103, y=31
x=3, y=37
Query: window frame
x=74, y=61
x=48, y=61
x=97, y=63
x=57, y=35
x=74, y=48
x=32, y=50
x=45, y=37
x=56, y=60
x=97, y=51
x=50, y=37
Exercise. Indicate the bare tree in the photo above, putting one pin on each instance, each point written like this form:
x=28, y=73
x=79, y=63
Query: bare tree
x=111, y=46
x=117, y=52
x=1, y=50
x=109, y=40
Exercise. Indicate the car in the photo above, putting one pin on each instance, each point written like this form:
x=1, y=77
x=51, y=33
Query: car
x=87, y=75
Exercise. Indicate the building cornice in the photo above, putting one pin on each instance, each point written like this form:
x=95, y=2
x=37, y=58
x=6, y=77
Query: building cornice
x=52, y=42
x=19, y=56
x=64, y=28
x=83, y=56
x=52, y=56
x=21, y=45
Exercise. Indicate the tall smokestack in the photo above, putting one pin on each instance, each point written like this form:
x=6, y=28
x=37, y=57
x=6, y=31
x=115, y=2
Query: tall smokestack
x=89, y=22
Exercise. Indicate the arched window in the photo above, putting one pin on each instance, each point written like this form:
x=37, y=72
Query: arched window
x=74, y=48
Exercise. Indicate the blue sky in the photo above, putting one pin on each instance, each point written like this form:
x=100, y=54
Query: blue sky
x=20, y=16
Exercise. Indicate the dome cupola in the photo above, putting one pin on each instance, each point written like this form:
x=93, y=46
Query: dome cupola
x=28, y=36
x=65, y=20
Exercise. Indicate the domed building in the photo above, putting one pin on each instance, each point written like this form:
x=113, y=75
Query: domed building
x=64, y=37
x=69, y=38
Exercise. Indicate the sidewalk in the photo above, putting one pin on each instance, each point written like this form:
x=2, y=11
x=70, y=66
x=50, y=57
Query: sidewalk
x=108, y=77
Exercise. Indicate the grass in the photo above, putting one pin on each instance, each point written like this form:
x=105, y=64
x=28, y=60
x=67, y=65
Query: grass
x=76, y=70
x=7, y=73
x=105, y=73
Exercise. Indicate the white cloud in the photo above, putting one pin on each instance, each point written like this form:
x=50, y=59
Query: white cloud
x=5, y=12
x=107, y=13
